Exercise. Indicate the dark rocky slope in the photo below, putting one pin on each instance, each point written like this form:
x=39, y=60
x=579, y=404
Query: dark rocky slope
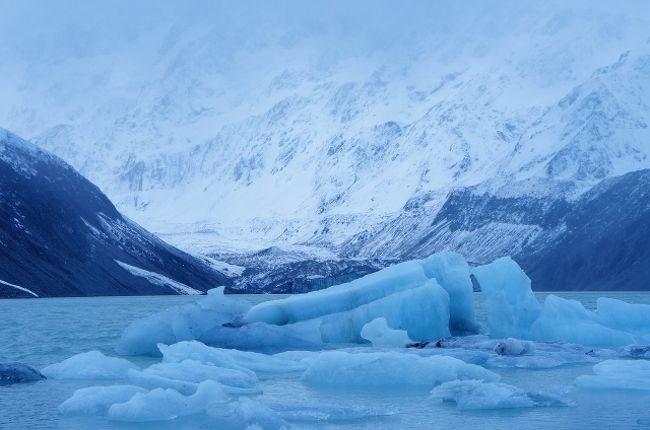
x=61, y=236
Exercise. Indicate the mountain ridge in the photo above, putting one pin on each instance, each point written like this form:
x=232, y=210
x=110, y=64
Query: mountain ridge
x=60, y=236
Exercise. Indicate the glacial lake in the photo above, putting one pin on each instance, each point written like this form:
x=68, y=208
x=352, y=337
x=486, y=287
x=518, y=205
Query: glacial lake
x=40, y=332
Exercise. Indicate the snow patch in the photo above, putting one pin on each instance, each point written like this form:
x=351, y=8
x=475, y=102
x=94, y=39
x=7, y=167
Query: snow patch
x=18, y=288
x=158, y=279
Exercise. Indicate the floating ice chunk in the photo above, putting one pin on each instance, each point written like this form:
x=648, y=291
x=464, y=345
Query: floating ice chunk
x=137, y=377
x=380, y=335
x=568, y=321
x=267, y=337
x=618, y=374
x=187, y=322
x=185, y=376
x=403, y=294
x=513, y=311
x=491, y=395
x=244, y=361
x=510, y=303
x=619, y=315
x=90, y=365
x=452, y=273
x=167, y=404
x=254, y=413
x=512, y=346
x=195, y=371
x=320, y=412
x=339, y=298
x=97, y=400
x=338, y=368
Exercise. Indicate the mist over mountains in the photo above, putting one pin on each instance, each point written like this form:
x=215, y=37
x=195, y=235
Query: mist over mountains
x=501, y=128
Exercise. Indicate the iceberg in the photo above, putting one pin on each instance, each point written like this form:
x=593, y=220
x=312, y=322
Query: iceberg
x=421, y=302
x=163, y=404
x=256, y=415
x=340, y=298
x=563, y=320
x=628, y=317
x=452, y=273
x=618, y=374
x=513, y=311
x=475, y=395
x=389, y=369
x=90, y=365
x=243, y=361
x=425, y=298
x=188, y=322
x=97, y=400
x=422, y=312
x=196, y=371
x=511, y=306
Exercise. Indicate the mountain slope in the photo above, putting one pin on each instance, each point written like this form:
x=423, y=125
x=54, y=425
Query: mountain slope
x=231, y=130
x=604, y=242
x=60, y=236
x=306, y=129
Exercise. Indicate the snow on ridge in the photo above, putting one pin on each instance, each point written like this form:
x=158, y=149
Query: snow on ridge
x=158, y=279
x=18, y=288
x=231, y=270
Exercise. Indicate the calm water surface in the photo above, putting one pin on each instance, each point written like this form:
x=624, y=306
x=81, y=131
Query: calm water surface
x=39, y=332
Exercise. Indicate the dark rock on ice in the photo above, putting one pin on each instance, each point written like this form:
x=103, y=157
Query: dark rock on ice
x=16, y=373
x=418, y=345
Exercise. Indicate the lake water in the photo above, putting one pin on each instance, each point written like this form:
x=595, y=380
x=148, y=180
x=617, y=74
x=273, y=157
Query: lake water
x=39, y=332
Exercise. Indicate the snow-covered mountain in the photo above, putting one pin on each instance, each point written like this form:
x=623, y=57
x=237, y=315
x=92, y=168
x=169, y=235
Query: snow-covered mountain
x=60, y=236
x=236, y=128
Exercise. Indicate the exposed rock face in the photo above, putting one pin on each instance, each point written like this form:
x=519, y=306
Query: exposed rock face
x=61, y=236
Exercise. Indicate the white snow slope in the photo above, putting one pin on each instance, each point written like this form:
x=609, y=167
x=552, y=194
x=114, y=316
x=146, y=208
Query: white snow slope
x=227, y=126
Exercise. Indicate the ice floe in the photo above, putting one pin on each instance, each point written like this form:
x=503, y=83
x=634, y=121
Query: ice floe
x=491, y=395
x=90, y=365
x=97, y=400
x=386, y=369
x=618, y=374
